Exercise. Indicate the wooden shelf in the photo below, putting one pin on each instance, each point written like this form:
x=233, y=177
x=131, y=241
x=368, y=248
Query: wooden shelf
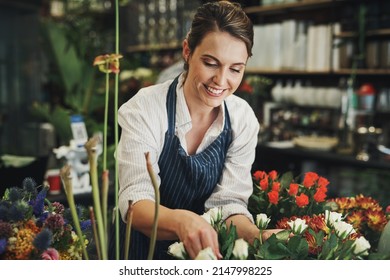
x=370, y=33
x=317, y=73
x=156, y=47
x=286, y=7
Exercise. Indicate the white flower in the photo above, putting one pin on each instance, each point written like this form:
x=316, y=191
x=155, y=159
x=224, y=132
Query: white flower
x=343, y=229
x=177, y=250
x=361, y=246
x=332, y=217
x=240, y=250
x=207, y=217
x=213, y=216
x=297, y=226
x=262, y=221
x=206, y=254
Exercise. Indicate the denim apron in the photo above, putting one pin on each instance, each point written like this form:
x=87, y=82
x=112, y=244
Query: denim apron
x=186, y=181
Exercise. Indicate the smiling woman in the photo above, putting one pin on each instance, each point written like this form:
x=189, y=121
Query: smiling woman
x=200, y=137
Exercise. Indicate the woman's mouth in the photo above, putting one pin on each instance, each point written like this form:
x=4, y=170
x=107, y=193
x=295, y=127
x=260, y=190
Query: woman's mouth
x=213, y=91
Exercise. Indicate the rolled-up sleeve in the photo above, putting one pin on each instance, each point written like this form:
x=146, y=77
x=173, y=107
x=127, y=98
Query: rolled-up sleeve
x=235, y=186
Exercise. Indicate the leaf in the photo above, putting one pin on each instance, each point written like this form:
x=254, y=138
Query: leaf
x=298, y=247
x=286, y=179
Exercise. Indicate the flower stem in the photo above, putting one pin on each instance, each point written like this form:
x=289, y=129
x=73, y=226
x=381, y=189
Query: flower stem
x=95, y=233
x=67, y=181
x=128, y=228
x=116, y=131
x=92, y=158
x=153, y=235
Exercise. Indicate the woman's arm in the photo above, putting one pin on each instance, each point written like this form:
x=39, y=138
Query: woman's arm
x=194, y=231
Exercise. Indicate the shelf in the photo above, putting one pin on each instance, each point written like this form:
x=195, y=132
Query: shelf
x=370, y=33
x=341, y=72
x=330, y=158
x=288, y=7
x=156, y=47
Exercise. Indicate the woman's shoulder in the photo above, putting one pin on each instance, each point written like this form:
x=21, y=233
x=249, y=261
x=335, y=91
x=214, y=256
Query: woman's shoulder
x=239, y=108
x=149, y=98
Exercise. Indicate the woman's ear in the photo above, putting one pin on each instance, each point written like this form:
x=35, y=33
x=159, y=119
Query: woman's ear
x=186, y=50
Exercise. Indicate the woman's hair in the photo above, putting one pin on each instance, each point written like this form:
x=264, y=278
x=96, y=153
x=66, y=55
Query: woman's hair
x=222, y=16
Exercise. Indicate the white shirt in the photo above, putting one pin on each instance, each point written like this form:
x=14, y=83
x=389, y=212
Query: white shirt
x=143, y=120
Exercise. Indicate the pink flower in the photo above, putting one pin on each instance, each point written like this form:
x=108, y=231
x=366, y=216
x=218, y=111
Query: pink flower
x=50, y=254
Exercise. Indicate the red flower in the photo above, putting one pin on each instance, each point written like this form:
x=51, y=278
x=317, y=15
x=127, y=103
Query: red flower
x=320, y=195
x=264, y=184
x=323, y=182
x=302, y=200
x=258, y=175
x=293, y=189
x=310, y=179
x=273, y=197
x=276, y=186
x=273, y=174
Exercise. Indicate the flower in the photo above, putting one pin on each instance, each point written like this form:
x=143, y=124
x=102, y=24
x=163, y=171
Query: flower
x=284, y=196
x=316, y=227
x=262, y=221
x=361, y=246
x=298, y=226
x=206, y=254
x=364, y=213
x=240, y=250
x=31, y=227
x=178, y=251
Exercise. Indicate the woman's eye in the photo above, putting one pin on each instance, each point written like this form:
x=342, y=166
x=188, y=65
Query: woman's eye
x=210, y=64
x=235, y=70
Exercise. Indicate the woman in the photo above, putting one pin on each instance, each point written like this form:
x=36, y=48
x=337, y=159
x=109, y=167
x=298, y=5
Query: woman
x=200, y=137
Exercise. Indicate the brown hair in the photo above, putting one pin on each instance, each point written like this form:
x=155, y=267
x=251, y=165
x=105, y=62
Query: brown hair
x=222, y=16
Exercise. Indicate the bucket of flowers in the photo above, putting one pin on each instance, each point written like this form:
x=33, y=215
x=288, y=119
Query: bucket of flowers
x=31, y=227
x=315, y=227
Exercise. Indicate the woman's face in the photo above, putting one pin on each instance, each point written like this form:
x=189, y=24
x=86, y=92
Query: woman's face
x=216, y=68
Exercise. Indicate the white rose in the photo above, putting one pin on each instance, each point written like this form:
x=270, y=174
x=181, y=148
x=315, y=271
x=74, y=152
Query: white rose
x=206, y=254
x=332, y=217
x=240, y=250
x=343, y=229
x=262, y=221
x=297, y=226
x=361, y=246
x=207, y=217
x=177, y=250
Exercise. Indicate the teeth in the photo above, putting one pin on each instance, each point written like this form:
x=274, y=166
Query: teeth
x=214, y=91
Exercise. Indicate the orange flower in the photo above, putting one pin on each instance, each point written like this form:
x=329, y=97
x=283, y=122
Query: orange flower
x=310, y=179
x=376, y=220
x=302, y=200
x=276, y=186
x=273, y=174
x=264, y=183
x=320, y=195
x=258, y=175
x=322, y=182
x=108, y=63
x=356, y=218
x=293, y=190
x=273, y=197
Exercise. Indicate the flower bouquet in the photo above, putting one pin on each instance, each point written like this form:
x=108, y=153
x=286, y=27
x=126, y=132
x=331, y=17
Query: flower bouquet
x=33, y=228
x=324, y=237
x=284, y=196
x=316, y=227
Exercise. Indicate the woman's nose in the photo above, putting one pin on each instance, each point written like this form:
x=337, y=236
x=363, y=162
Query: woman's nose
x=220, y=77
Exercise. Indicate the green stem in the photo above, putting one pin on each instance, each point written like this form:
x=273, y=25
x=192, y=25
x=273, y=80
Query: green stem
x=106, y=121
x=91, y=149
x=128, y=229
x=116, y=131
x=67, y=180
x=153, y=235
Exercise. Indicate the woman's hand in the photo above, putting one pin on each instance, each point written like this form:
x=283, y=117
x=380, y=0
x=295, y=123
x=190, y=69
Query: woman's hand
x=196, y=234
